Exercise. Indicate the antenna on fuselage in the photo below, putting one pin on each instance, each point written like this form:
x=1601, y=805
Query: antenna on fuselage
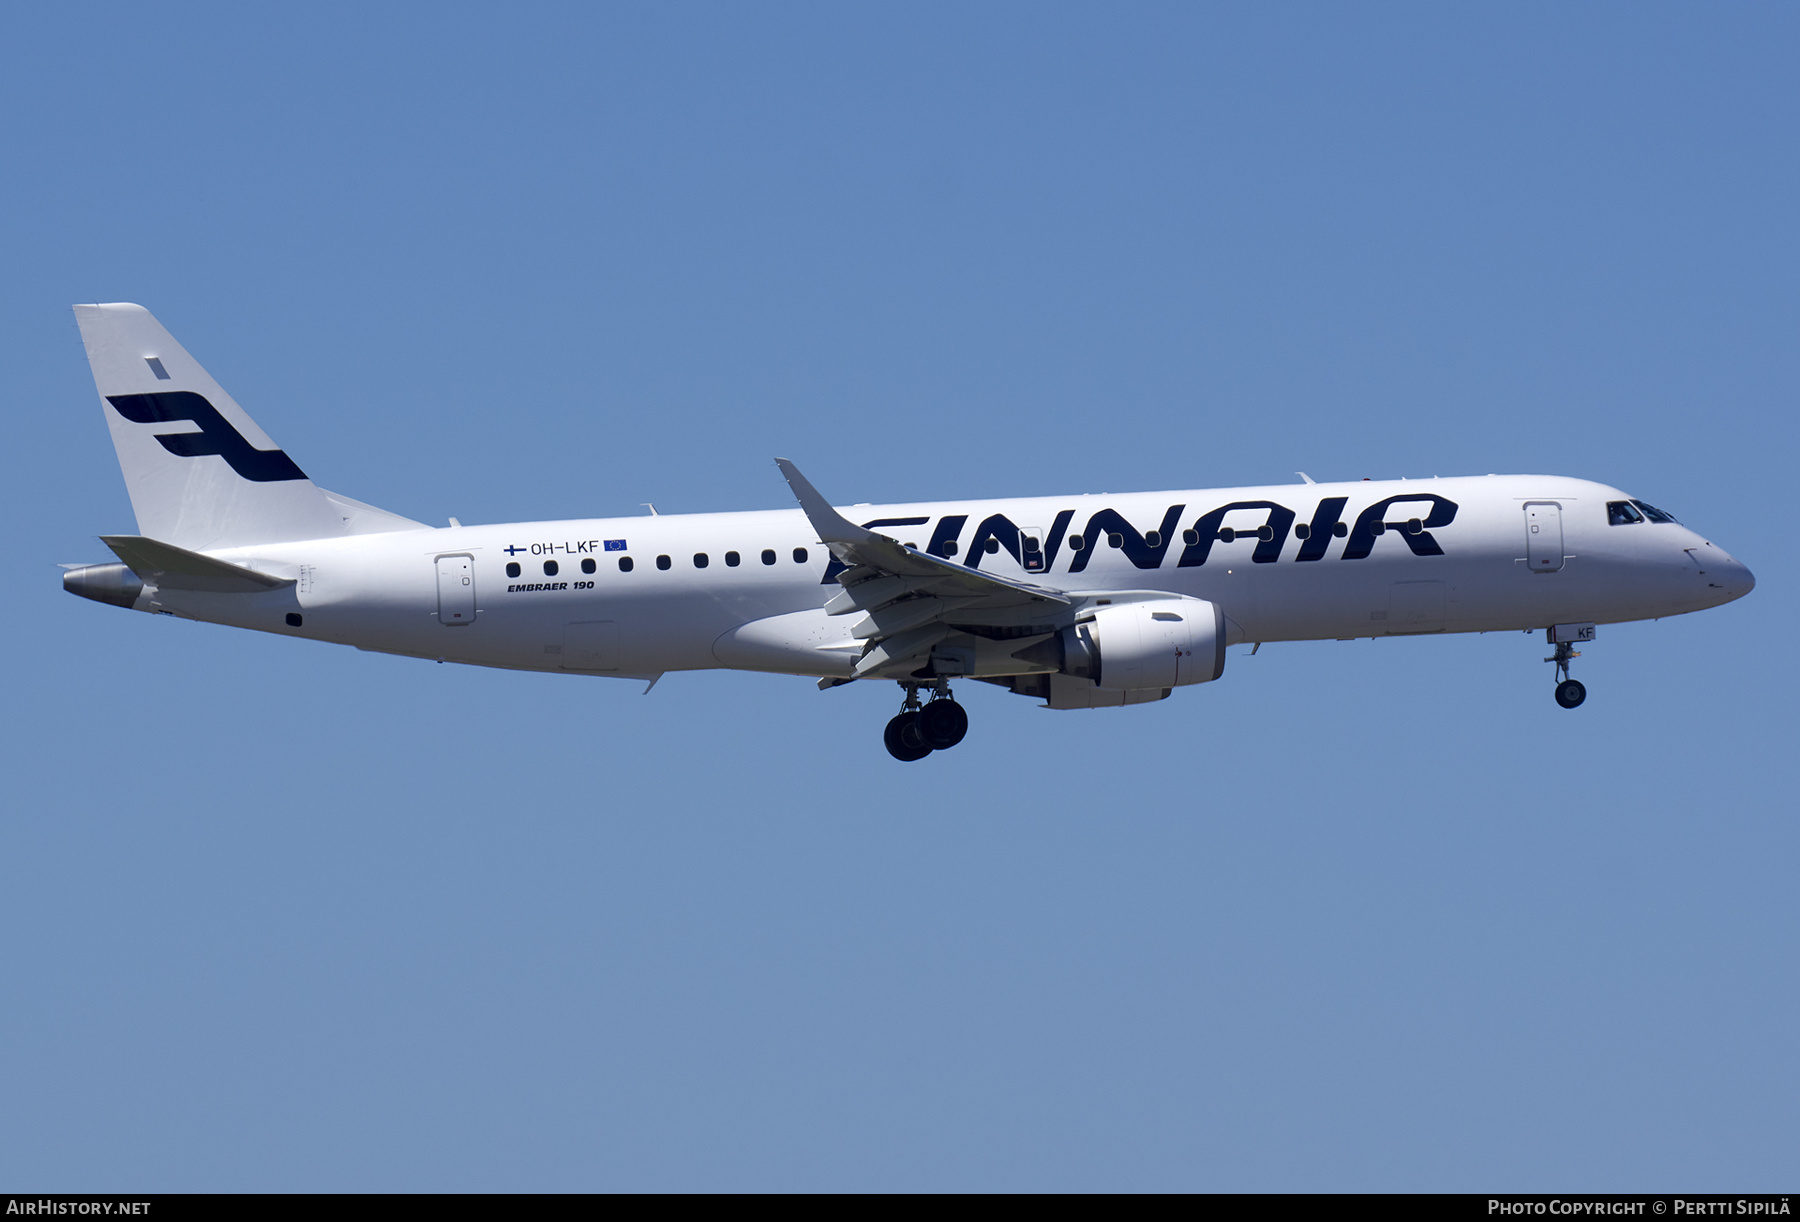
x=1303, y=475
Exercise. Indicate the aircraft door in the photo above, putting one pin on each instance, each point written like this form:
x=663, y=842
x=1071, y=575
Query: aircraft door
x=456, y=590
x=1543, y=536
x=1031, y=549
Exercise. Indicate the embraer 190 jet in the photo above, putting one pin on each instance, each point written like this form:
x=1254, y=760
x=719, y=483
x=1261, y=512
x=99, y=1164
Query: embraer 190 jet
x=1079, y=601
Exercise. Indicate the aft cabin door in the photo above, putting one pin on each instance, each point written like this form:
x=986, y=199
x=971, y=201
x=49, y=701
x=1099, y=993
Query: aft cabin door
x=456, y=590
x=1543, y=536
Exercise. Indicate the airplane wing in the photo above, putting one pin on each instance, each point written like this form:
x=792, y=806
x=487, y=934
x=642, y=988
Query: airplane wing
x=905, y=594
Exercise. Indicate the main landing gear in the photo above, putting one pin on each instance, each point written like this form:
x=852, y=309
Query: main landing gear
x=1569, y=692
x=919, y=730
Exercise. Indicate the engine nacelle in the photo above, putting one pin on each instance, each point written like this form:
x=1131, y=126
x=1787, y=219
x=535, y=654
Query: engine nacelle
x=1167, y=642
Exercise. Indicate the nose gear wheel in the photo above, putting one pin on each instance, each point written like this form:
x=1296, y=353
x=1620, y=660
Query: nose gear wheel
x=1569, y=692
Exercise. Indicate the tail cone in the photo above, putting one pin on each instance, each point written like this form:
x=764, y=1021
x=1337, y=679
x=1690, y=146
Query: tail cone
x=105, y=583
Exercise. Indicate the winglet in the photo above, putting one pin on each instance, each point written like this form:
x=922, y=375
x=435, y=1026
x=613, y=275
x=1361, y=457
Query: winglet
x=833, y=527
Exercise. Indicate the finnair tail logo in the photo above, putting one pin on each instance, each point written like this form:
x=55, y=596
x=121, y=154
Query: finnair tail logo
x=216, y=436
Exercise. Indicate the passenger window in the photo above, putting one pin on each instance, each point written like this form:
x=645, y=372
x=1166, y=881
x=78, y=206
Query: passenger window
x=662, y=562
x=700, y=560
x=588, y=566
x=625, y=565
x=768, y=556
x=1153, y=539
x=950, y=547
x=549, y=568
x=732, y=559
x=993, y=545
x=1301, y=530
x=513, y=569
x=1115, y=540
x=1655, y=514
x=1265, y=533
x=799, y=555
x=1342, y=529
x=1076, y=543
x=1621, y=513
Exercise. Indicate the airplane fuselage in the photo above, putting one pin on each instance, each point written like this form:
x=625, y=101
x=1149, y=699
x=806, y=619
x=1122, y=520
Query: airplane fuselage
x=644, y=595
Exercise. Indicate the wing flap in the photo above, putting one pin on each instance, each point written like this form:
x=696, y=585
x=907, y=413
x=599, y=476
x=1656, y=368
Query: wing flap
x=869, y=595
x=902, y=651
x=898, y=617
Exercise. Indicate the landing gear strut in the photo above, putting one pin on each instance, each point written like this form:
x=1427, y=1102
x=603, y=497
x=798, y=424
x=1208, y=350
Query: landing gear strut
x=918, y=730
x=1569, y=692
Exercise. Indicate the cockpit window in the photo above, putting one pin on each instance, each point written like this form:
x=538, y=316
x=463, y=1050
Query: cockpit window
x=1620, y=513
x=1653, y=513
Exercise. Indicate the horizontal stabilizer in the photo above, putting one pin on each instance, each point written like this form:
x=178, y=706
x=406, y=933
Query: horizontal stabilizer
x=175, y=568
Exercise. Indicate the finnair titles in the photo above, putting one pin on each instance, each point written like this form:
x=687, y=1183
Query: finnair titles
x=1081, y=602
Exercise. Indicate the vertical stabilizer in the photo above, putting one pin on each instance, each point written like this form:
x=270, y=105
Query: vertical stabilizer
x=201, y=475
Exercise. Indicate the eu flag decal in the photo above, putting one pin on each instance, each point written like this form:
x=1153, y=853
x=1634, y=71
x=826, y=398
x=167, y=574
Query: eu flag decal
x=615, y=545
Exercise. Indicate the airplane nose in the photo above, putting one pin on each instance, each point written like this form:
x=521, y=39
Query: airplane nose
x=1727, y=576
x=1723, y=578
x=1738, y=580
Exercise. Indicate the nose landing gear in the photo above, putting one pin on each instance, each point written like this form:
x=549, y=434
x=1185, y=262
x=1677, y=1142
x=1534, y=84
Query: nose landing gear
x=918, y=730
x=1569, y=692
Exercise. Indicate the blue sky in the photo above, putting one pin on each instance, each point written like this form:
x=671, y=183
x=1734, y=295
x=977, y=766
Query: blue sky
x=1371, y=915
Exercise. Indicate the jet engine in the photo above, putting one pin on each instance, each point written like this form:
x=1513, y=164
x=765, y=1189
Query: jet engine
x=1162, y=643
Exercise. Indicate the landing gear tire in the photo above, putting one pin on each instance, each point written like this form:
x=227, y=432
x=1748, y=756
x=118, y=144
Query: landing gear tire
x=942, y=724
x=1569, y=693
x=903, y=740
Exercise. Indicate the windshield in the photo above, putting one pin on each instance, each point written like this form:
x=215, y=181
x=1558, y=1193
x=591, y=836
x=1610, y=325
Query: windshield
x=1653, y=513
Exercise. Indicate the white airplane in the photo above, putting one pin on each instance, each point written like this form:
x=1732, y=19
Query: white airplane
x=1081, y=601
